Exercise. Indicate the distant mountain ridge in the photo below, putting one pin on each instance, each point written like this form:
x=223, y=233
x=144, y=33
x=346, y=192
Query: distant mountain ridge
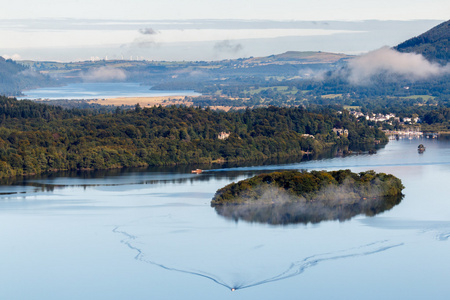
x=434, y=44
x=302, y=57
x=18, y=76
x=185, y=74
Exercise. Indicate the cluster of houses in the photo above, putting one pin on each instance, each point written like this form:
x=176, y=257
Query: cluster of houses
x=357, y=114
x=383, y=118
x=340, y=131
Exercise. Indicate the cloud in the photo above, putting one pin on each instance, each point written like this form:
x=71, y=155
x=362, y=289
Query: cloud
x=148, y=31
x=143, y=43
x=15, y=56
x=391, y=62
x=30, y=73
x=228, y=47
x=146, y=41
x=104, y=74
x=308, y=73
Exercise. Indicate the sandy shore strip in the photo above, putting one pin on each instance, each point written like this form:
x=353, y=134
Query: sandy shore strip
x=143, y=101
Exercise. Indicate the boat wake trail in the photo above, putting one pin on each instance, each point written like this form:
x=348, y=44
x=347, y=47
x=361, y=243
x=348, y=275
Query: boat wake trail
x=295, y=268
x=299, y=267
x=140, y=256
x=443, y=236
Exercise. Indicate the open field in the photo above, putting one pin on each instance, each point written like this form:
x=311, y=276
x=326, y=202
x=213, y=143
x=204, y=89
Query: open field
x=143, y=101
x=154, y=101
x=350, y=107
x=424, y=97
x=331, y=96
x=227, y=108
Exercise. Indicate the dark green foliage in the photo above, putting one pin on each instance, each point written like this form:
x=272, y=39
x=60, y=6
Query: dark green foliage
x=36, y=138
x=331, y=188
x=441, y=115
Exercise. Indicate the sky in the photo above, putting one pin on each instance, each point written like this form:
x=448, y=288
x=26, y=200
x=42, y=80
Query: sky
x=228, y=9
x=71, y=30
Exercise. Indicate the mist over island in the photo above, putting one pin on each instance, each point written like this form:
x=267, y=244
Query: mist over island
x=292, y=197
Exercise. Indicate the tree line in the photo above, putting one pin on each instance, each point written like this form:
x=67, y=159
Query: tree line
x=36, y=138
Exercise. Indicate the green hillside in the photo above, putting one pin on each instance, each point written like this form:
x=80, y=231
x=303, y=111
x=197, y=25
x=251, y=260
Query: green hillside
x=15, y=77
x=433, y=44
x=300, y=57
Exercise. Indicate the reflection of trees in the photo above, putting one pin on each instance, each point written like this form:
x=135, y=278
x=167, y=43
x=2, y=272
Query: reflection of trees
x=284, y=213
x=356, y=148
x=157, y=175
x=166, y=174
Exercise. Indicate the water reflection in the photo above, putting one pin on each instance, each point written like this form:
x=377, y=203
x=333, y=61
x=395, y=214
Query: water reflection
x=157, y=224
x=284, y=213
x=51, y=182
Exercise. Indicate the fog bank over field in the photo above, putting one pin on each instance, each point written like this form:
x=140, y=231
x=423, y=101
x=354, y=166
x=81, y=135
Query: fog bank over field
x=104, y=74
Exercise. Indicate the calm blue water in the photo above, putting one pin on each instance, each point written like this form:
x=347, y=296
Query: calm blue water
x=153, y=235
x=100, y=90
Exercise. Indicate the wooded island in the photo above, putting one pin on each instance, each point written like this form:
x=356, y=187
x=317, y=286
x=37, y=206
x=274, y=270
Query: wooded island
x=302, y=197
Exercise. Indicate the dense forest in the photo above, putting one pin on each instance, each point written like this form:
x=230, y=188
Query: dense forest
x=36, y=138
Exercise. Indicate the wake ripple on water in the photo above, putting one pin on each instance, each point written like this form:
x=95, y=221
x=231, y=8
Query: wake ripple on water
x=299, y=267
x=443, y=236
x=295, y=268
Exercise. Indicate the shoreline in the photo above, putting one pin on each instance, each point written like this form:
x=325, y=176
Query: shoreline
x=236, y=162
x=188, y=166
x=415, y=134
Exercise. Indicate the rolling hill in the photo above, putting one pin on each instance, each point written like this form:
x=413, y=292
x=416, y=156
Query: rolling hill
x=15, y=77
x=433, y=44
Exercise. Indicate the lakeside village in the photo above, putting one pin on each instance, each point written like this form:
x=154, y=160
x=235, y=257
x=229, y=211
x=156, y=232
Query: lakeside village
x=391, y=119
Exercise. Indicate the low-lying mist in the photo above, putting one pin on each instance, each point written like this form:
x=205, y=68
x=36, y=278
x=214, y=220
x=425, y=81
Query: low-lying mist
x=393, y=63
x=278, y=207
x=104, y=74
x=292, y=197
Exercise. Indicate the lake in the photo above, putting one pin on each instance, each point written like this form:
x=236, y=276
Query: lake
x=152, y=234
x=100, y=90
